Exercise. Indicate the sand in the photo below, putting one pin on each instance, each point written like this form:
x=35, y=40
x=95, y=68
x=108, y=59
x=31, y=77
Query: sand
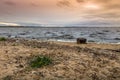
x=70, y=61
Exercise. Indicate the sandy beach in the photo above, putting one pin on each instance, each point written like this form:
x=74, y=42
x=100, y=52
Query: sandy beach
x=70, y=61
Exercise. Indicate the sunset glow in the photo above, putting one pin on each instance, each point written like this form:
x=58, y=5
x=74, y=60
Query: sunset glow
x=91, y=6
x=60, y=12
x=9, y=24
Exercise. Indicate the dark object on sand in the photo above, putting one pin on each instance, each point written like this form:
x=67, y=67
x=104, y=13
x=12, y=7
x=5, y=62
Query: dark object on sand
x=81, y=40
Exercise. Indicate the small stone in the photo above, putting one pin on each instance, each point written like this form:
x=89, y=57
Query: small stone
x=21, y=66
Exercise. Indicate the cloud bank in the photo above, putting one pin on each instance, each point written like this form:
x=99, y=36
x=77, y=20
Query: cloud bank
x=9, y=24
x=60, y=11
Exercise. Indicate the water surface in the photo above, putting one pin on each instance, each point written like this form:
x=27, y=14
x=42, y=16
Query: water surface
x=102, y=35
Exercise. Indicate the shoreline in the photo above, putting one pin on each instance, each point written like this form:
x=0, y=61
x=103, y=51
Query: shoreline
x=102, y=35
x=87, y=42
x=66, y=41
x=71, y=61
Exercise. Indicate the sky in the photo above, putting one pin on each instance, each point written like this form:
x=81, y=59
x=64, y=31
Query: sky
x=59, y=12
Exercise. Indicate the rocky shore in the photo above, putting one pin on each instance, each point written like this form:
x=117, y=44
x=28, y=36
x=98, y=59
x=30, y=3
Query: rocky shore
x=70, y=61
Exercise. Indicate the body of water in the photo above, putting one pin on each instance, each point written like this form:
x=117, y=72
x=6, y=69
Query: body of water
x=102, y=35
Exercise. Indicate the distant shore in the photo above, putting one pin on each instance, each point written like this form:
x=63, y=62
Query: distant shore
x=61, y=26
x=70, y=61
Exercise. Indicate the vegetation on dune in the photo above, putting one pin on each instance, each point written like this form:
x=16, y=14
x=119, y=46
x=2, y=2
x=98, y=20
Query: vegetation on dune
x=3, y=39
x=7, y=78
x=40, y=61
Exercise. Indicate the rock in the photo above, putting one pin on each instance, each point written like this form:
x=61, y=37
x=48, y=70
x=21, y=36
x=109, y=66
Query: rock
x=21, y=66
x=116, y=38
x=91, y=41
x=50, y=34
x=66, y=36
x=8, y=35
x=100, y=33
x=81, y=40
x=92, y=35
x=105, y=30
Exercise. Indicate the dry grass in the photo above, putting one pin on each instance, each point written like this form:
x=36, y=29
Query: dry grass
x=69, y=61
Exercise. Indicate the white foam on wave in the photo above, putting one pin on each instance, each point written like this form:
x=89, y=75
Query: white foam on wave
x=88, y=42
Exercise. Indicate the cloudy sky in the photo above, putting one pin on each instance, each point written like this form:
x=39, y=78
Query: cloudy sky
x=59, y=12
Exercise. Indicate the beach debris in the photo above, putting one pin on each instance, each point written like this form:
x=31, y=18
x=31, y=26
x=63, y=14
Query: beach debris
x=81, y=40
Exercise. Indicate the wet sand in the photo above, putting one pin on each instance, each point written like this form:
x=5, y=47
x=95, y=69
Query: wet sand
x=70, y=61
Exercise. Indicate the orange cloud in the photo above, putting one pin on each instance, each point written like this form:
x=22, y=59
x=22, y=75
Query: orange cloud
x=58, y=11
